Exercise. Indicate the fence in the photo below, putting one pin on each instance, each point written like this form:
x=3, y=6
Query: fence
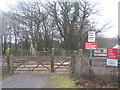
x=81, y=66
x=74, y=59
x=77, y=62
x=99, y=65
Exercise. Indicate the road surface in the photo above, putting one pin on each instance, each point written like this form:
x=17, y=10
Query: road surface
x=27, y=79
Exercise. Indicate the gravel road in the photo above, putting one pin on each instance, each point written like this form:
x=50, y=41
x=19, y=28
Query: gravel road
x=33, y=79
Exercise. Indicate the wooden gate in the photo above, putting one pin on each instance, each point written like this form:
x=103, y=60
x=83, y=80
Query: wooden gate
x=31, y=63
x=40, y=63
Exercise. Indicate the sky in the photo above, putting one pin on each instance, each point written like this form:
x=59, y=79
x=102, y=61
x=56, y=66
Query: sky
x=108, y=14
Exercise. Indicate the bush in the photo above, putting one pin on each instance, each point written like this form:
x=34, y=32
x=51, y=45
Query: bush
x=98, y=81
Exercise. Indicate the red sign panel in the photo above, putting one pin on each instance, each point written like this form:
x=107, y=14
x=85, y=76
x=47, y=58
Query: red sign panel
x=91, y=46
x=112, y=53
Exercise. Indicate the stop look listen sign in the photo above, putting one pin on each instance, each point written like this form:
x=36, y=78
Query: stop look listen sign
x=91, y=36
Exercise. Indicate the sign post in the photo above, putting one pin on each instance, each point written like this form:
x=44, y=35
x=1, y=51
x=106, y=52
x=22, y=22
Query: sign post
x=112, y=56
x=90, y=58
x=91, y=38
x=91, y=45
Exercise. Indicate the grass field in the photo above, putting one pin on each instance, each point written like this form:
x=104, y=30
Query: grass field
x=60, y=81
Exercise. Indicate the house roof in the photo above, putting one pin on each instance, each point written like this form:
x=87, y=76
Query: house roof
x=117, y=46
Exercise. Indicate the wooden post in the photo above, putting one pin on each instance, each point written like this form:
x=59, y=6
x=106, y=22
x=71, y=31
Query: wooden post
x=90, y=62
x=73, y=64
x=9, y=64
x=52, y=63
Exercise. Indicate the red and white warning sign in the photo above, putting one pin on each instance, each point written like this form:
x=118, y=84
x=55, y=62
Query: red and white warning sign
x=112, y=56
x=91, y=46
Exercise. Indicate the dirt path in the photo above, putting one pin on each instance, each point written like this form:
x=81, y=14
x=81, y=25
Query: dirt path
x=27, y=79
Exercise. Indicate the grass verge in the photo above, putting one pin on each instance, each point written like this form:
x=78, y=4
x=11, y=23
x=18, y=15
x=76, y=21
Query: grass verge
x=97, y=81
x=60, y=81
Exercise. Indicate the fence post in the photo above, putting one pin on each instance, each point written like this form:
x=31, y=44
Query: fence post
x=7, y=58
x=9, y=63
x=73, y=64
x=90, y=62
x=80, y=54
x=52, y=63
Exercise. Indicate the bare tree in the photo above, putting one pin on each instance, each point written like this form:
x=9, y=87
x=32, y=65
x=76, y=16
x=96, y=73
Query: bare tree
x=6, y=33
x=30, y=16
x=40, y=24
x=71, y=19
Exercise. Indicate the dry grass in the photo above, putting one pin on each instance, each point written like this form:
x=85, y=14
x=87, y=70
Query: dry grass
x=96, y=81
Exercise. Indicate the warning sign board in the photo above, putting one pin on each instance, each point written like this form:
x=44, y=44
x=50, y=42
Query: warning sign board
x=91, y=46
x=112, y=53
x=112, y=56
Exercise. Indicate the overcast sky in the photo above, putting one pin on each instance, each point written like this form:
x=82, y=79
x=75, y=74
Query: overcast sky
x=108, y=10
